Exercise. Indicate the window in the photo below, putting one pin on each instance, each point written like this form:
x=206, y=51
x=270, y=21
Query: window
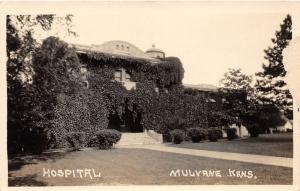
x=122, y=47
x=118, y=75
x=117, y=46
x=127, y=77
x=83, y=70
x=122, y=76
x=85, y=84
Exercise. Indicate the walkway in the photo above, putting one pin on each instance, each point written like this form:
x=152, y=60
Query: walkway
x=250, y=158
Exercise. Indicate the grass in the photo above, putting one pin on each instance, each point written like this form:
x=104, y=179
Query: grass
x=136, y=167
x=279, y=144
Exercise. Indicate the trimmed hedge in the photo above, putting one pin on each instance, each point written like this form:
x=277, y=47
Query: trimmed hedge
x=177, y=136
x=253, y=129
x=231, y=133
x=197, y=134
x=76, y=140
x=214, y=134
x=105, y=139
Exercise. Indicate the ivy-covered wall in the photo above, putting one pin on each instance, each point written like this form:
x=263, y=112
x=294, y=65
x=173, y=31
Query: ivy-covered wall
x=151, y=109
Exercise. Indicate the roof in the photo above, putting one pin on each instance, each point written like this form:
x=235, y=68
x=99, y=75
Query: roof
x=202, y=87
x=115, y=48
x=154, y=49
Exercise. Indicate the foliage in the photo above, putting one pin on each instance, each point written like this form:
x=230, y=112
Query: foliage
x=161, y=111
x=177, y=136
x=235, y=79
x=231, y=133
x=23, y=135
x=197, y=134
x=56, y=71
x=266, y=116
x=220, y=118
x=76, y=140
x=83, y=112
x=235, y=105
x=253, y=129
x=271, y=87
x=164, y=73
x=289, y=130
x=172, y=123
x=214, y=134
x=106, y=138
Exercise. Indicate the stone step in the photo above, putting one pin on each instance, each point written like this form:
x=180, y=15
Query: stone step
x=136, y=139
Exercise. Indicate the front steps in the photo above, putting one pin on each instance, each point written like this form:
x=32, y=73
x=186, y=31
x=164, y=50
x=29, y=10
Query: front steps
x=144, y=138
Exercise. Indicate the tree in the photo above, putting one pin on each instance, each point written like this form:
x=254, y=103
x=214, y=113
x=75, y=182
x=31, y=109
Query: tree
x=56, y=73
x=270, y=87
x=235, y=79
x=21, y=44
x=236, y=92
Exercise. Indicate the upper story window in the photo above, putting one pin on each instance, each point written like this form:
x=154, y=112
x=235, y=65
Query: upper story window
x=117, y=46
x=127, y=77
x=118, y=75
x=85, y=84
x=121, y=75
x=83, y=70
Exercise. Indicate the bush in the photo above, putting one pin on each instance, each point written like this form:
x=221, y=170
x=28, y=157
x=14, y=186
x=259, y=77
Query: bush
x=214, y=134
x=289, y=130
x=76, y=140
x=253, y=129
x=231, y=133
x=197, y=134
x=105, y=139
x=177, y=136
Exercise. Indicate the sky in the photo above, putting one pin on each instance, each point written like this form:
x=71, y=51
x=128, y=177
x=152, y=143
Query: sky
x=208, y=38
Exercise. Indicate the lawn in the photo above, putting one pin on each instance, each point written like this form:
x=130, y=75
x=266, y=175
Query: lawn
x=277, y=144
x=126, y=166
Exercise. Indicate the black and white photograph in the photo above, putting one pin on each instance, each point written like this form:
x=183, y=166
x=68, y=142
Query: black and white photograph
x=151, y=93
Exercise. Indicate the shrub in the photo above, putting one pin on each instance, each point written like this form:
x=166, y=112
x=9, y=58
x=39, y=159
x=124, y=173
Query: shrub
x=289, y=130
x=105, y=139
x=253, y=129
x=231, y=133
x=197, y=134
x=177, y=136
x=214, y=134
x=76, y=140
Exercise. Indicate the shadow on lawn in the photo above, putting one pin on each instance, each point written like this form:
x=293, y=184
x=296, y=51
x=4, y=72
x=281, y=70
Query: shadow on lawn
x=29, y=180
x=18, y=161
